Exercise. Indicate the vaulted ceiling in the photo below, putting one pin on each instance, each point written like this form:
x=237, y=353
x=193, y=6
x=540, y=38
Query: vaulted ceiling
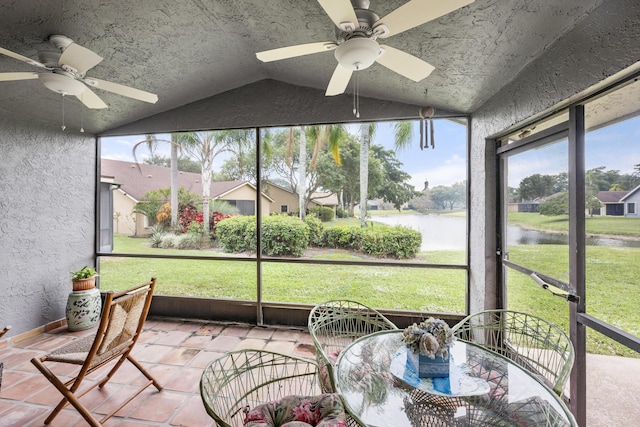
x=188, y=50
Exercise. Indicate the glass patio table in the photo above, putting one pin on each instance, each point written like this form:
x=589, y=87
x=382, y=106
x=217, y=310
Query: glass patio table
x=483, y=388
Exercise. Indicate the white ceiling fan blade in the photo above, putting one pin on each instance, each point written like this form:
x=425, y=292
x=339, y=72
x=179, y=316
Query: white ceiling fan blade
x=414, y=13
x=294, y=51
x=123, y=90
x=22, y=58
x=91, y=100
x=79, y=58
x=341, y=13
x=7, y=77
x=404, y=64
x=339, y=81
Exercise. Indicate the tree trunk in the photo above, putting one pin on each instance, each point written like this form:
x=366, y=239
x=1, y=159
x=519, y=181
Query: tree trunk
x=174, y=184
x=206, y=194
x=364, y=172
x=302, y=179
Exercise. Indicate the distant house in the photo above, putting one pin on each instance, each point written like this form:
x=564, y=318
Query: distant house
x=533, y=206
x=631, y=203
x=286, y=201
x=132, y=181
x=612, y=201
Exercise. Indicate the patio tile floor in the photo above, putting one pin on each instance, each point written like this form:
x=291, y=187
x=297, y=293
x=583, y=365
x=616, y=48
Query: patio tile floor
x=174, y=351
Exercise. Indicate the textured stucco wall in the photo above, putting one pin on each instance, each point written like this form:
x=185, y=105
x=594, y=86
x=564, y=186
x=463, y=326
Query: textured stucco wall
x=47, y=217
x=603, y=44
x=268, y=103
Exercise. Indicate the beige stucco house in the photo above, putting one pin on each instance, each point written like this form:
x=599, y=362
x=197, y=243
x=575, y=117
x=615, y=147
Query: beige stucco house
x=132, y=181
x=286, y=201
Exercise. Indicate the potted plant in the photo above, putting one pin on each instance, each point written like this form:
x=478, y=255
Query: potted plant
x=428, y=347
x=84, y=279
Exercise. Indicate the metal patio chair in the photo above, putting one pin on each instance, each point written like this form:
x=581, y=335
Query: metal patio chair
x=335, y=324
x=238, y=382
x=536, y=344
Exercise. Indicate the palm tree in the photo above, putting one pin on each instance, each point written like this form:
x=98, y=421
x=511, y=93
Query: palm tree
x=205, y=147
x=174, y=181
x=302, y=170
x=151, y=141
x=322, y=136
x=403, y=133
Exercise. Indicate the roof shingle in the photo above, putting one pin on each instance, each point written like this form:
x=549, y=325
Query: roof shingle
x=137, y=180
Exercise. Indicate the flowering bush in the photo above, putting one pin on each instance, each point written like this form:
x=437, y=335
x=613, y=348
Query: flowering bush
x=188, y=215
x=431, y=338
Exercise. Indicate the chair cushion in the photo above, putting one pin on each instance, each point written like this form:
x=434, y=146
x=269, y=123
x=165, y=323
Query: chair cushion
x=324, y=410
x=325, y=381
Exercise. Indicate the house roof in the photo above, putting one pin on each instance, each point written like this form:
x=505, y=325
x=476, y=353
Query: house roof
x=137, y=179
x=325, y=199
x=611, y=196
x=630, y=193
x=319, y=197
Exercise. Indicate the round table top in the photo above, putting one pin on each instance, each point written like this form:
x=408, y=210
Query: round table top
x=483, y=388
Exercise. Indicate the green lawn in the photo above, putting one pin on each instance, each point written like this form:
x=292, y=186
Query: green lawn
x=607, y=225
x=612, y=280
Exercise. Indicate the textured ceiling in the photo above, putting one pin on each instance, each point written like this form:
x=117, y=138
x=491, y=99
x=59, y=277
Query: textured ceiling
x=186, y=50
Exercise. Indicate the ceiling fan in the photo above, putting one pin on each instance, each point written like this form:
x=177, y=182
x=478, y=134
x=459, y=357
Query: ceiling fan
x=64, y=72
x=356, y=46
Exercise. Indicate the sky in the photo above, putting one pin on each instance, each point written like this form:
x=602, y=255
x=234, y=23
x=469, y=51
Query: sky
x=616, y=147
x=444, y=165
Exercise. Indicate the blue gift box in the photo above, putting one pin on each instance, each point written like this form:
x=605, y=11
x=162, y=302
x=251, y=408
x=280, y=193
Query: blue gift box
x=427, y=367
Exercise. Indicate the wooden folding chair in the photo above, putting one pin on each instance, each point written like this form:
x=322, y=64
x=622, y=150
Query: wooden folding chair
x=123, y=315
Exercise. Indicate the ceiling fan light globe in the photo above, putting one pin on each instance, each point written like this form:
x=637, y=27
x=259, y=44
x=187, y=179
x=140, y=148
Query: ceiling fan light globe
x=357, y=53
x=62, y=84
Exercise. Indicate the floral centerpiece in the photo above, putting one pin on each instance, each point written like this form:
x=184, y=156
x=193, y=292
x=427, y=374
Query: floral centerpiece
x=428, y=347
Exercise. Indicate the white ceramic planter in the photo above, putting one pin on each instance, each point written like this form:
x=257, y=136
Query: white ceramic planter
x=83, y=309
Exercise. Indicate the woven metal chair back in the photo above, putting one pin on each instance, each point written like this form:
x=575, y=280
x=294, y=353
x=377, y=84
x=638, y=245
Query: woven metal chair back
x=239, y=381
x=335, y=324
x=536, y=344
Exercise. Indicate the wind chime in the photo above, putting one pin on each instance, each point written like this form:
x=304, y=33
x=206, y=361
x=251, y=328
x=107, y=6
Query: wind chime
x=426, y=127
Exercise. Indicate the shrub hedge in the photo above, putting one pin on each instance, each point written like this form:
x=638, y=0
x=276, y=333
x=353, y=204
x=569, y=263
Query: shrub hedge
x=281, y=235
x=344, y=237
x=285, y=235
x=396, y=242
x=237, y=234
x=315, y=230
x=325, y=213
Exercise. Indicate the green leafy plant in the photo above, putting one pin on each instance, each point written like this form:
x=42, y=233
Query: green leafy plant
x=315, y=230
x=324, y=213
x=84, y=273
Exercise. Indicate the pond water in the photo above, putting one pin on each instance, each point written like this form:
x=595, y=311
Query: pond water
x=450, y=233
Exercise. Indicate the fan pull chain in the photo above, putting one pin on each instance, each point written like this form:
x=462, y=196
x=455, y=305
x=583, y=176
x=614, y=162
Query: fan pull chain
x=81, y=115
x=421, y=124
x=63, y=126
x=356, y=95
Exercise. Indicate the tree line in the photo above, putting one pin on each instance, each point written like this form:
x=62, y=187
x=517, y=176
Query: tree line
x=304, y=159
x=552, y=190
